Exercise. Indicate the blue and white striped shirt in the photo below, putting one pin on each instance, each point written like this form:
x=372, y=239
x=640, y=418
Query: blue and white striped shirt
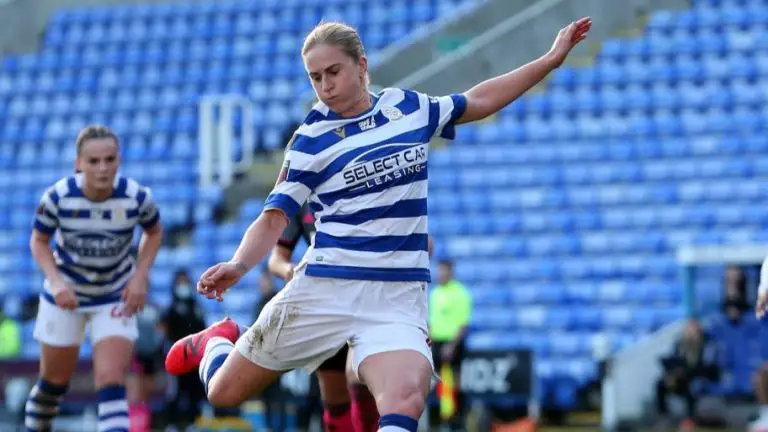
x=93, y=239
x=366, y=182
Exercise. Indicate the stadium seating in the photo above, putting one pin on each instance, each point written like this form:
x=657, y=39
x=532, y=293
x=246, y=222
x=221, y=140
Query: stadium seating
x=141, y=69
x=565, y=212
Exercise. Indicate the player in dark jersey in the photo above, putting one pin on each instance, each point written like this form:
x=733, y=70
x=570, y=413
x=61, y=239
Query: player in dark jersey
x=340, y=411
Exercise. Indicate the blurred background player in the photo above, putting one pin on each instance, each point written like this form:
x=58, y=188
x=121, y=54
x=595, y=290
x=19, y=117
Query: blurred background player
x=450, y=310
x=273, y=397
x=183, y=317
x=147, y=355
x=334, y=388
x=91, y=279
x=10, y=336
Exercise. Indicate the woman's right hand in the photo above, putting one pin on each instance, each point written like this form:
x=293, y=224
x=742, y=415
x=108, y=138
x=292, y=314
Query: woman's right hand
x=215, y=282
x=65, y=296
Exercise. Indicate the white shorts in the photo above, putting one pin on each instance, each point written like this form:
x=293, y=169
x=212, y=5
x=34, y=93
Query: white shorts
x=62, y=328
x=310, y=319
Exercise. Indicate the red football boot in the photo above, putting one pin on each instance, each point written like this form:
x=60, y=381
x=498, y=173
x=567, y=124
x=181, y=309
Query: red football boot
x=186, y=354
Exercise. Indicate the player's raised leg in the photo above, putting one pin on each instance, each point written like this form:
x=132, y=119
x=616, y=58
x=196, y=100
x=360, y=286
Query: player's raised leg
x=229, y=378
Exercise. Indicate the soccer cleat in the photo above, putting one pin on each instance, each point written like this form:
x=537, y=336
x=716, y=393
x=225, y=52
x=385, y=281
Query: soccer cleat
x=186, y=354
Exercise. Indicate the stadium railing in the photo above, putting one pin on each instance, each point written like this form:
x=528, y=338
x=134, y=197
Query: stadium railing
x=219, y=160
x=521, y=38
x=637, y=368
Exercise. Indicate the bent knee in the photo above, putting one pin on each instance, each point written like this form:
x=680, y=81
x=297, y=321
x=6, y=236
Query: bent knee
x=221, y=395
x=405, y=399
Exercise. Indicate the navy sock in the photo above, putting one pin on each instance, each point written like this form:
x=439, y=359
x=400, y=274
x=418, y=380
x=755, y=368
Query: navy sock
x=398, y=423
x=42, y=406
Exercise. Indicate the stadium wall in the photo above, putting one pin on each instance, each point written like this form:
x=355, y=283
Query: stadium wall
x=637, y=368
x=409, y=55
x=523, y=37
x=22, y=22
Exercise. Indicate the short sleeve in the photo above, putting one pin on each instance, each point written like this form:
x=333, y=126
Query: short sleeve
x=149, y=215
x=297, y=178
x=444, y=111
x=764, y=276
x=47, y=213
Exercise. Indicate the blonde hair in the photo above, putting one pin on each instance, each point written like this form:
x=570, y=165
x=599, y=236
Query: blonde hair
x=94, y=132
x=340, y=35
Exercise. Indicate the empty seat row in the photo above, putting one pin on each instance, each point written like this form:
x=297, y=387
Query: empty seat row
x=598, y=242
x=549, y=157
x=543, y=269
x=618, y=291
x=701, y=168
x=564, y=318
x=285, y=35
x=481, y=200
x=290, y=14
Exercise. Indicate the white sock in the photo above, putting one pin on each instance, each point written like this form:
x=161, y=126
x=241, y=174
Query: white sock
x=216, y=351
x=392, y=429
x=113, y=409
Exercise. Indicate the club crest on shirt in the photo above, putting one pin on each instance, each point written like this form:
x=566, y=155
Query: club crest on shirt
x=97, y=214
x=392, y=113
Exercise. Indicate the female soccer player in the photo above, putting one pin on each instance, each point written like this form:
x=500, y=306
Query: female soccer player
x=361, y=161
x=91, y=278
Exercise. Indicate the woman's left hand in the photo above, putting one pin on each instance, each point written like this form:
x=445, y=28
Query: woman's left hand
x=568, y=38
x=135, y=295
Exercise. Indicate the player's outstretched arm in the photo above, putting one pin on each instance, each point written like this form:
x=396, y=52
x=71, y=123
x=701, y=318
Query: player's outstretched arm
x=492, y=95
x=258, y=240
